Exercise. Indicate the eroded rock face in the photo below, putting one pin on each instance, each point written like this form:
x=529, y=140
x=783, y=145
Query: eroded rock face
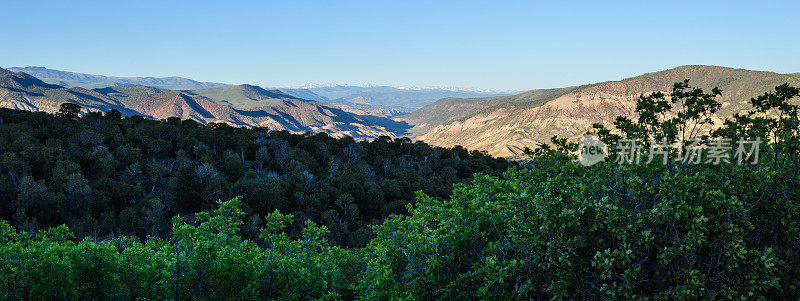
x=254, y=107
x=507, y=128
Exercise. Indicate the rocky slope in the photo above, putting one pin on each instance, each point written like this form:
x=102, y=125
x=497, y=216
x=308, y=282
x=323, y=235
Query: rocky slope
x=382, y=101
x=451, y=108
x=505, y=129
x=243, y=105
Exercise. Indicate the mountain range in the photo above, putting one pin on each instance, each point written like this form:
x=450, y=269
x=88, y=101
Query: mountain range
x=93, y=81
x=355, y=98
x=504, y=125
x=402, y=98
x=241, y=105
x=451, y=108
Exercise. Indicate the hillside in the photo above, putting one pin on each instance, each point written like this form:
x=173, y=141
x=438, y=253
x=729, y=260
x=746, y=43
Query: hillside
x=243, y=105
x=131, y=208
x=505, y=129
x=275, y=109
x=24, y=92
x=393, y=98
x=246, y=96
x=93, y=81
x=402, y=98
x=128, y=170
x=362, y=109
x=447, y=109
x=304, y=94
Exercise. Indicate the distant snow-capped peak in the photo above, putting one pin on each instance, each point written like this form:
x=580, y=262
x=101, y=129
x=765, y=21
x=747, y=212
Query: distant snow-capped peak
x=313, y=85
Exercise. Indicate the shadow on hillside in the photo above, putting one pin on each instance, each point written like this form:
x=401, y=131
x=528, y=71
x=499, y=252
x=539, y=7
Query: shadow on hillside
x=397, y=128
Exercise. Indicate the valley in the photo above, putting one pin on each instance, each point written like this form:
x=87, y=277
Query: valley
x=502, y=125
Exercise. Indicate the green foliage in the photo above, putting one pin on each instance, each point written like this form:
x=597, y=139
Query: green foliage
x=105, y=176
x=774, y=118
x=551, y=229
x=207, y=261
x=562, y=230
x=69, y=110
x=681, y=118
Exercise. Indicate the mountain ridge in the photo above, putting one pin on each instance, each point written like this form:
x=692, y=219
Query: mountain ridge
x=398, y=97
x=502, y=125
x=242, y=105
x=381, y=98
x=93, y=81
x=451, y=108
x=507, y=128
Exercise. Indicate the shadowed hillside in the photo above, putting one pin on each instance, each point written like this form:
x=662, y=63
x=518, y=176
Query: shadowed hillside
x=406, y=98
x=243, y=105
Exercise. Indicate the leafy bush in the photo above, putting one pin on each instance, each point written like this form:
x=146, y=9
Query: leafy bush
x=208, y=261
x=550, y=229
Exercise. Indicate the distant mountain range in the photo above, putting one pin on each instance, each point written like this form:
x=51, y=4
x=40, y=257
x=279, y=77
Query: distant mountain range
x=505, y=125
x=443, y=88
x=92, y=81
x=375, y=110
x=242, y=105
x=400, y=99
x=451, y=108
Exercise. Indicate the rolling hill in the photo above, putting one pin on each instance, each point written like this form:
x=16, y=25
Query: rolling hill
x=304, y=94
x=92, y=81
x=243, y=105
x=505, y=129
x=246, y=96
x=403, y=98
x=502, y=124
x=451, y=108
x=381, y=101
x=362, y=109
x=24, y=92
x=277, y=110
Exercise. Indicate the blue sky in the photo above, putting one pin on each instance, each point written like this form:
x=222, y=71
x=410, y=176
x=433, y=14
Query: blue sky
x=503, y=45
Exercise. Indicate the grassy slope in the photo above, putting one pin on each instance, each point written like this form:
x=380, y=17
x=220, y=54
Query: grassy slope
x=245, y=96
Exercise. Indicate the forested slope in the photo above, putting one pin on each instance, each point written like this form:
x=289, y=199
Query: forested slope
x=105, y=175
x=551, y=229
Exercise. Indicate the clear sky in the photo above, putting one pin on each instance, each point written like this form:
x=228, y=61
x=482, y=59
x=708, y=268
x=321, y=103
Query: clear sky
x=483, y=44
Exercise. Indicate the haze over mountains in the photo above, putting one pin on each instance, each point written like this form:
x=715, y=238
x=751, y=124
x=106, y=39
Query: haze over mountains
x=369, y=99
x=93, y=81
x=406, y=98
x=502, y=125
